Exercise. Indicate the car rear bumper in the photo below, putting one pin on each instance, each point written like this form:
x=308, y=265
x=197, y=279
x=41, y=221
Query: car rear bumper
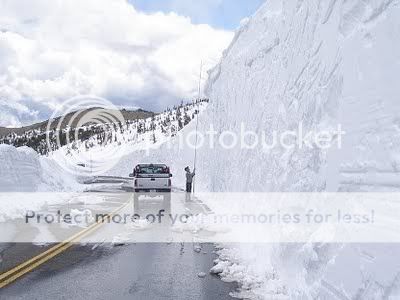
x=152, y=190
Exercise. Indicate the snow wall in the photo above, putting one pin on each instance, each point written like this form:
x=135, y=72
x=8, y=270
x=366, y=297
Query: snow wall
x=321, y=63
x=23, y=170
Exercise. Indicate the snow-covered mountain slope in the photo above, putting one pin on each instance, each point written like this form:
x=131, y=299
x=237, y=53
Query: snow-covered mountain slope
x=119, y=147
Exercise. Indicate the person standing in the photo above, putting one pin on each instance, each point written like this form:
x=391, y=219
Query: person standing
x=189, y=179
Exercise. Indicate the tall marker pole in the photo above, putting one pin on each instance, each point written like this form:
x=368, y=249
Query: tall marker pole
x=197, y=125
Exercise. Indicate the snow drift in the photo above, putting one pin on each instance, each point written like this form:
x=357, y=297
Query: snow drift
x=23, y=170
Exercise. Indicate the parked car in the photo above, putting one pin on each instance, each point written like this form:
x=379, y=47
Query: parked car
x=152, y=178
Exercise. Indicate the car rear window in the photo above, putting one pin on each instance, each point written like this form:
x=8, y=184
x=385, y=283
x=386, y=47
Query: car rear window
x=153, y=170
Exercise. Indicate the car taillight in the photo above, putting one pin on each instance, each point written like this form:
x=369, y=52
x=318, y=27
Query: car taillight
x=135, y=182
x=169, y=182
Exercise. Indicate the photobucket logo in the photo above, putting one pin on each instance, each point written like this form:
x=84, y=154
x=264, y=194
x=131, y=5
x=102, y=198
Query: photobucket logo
x=265, y=140
x=81, y=133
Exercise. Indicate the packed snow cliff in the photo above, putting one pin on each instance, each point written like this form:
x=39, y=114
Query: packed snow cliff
x=321, y=63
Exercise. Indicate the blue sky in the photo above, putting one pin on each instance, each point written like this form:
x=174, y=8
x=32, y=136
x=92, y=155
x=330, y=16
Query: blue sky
x=224, y=14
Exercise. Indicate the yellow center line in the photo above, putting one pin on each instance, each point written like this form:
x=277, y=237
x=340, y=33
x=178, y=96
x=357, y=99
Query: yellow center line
x=20, y=270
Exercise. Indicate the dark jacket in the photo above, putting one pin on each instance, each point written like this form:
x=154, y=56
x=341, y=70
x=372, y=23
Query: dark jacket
x=189, y=176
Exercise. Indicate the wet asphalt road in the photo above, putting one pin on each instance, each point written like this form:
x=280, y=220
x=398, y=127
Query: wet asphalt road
x=134, y=271
x=104, y=271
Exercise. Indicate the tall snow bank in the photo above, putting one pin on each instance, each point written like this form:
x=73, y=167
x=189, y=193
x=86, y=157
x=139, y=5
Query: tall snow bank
x=23, y=170
x=321, y=63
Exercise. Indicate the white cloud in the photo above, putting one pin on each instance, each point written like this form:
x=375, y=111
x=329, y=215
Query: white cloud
x=52, y=50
